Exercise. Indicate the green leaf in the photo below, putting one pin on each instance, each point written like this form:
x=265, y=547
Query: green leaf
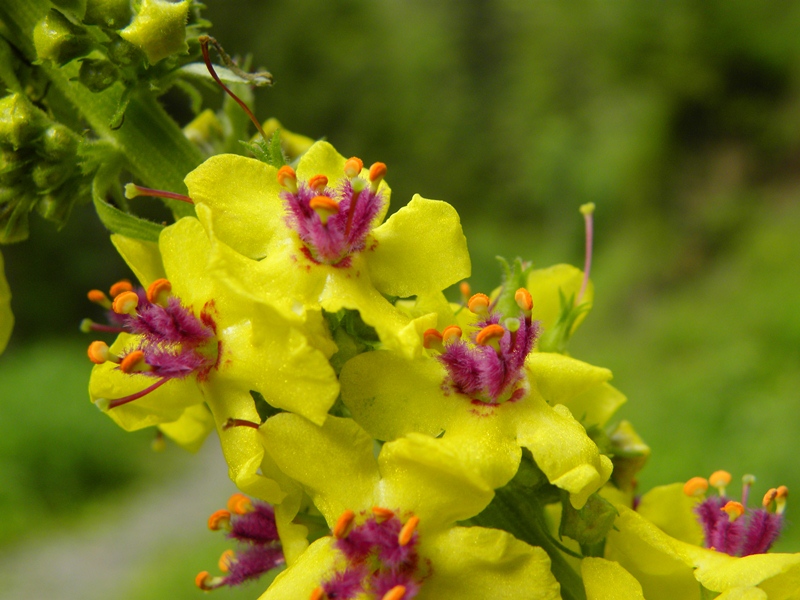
x=199, y=69
x=114, y=219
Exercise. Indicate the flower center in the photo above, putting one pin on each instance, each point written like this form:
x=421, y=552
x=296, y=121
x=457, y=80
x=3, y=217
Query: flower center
x=381, y=555
x=172, y=342
x=333, y=222
x=252, y=524
x=729, y=526
x=489, y=367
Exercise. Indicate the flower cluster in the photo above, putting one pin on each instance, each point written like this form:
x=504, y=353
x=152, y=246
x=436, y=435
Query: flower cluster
x=394, y=444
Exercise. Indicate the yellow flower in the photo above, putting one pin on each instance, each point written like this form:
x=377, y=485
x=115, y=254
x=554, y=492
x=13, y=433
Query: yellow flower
x=319, y=240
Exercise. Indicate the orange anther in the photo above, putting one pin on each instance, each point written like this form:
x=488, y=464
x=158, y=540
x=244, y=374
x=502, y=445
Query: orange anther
x=344, y=524
x=98, y=352
x=99, y=297
x=123, y=285
x=451, y=333
x=524, y=300
x=202, y=580
x=490, y=334
x=318, y=594
x=408, y=530
x=287, y=178
x=396, y=593
x=239, y=504
x=158, y=292
x=431, y=338
x=719, y=479
x=134, y=362
x=377, y=172
x=479, y=303
x=125, y=303
x=219, y=519
x=780, y=499
x=466, y=290
x=226, y=560
x=769, y=497
x=734, y=510
x=353, y=166
x=324, y=206
x=382, y=514
x=696, y=486
x=318, y=183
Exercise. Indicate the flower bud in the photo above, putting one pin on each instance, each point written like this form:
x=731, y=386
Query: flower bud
x=13, y=168
x=48, y=175
x=20, y=121
x=76, y=7
x=115, y=14
x=58, y=143
x=159, y=29
x=97, y=74
x=54, y=207
x=15, y=205
x=121, y=52
x=57, y=39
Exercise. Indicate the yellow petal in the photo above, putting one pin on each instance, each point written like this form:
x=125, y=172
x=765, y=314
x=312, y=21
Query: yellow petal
x=420, y=249
x=474, y=563
x=244, y=197
x=562, y=450
x=191, y=429
x=242, y=446
x=310, y=569
x=335, y=463
x=607, y=580
x=545, y=285
x=142, y=257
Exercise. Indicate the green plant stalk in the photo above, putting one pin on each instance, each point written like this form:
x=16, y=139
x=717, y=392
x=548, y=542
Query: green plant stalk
x=516, y=509
x=155, y=150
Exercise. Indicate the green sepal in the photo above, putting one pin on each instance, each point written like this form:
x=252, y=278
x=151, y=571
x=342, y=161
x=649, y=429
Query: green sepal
x=264, y=408
x=588, y=526
x=515, y=276
x=557, y=337
x=58, y=39
x=269, y=152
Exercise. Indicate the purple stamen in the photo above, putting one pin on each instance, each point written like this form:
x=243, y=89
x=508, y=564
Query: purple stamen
x=486, y=374
x=252, y=562
x=256, y=526
x=344, y=233
x=137, y=395
x=376, y=561
x=762, y=531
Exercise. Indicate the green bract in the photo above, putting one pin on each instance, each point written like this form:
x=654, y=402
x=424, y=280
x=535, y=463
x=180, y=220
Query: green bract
x=419, y=250
x=337, y=467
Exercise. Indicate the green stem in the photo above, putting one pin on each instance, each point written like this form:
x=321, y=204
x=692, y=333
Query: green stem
x=517, y=510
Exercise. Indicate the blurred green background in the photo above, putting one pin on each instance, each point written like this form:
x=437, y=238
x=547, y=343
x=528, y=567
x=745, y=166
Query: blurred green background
x=679, y=120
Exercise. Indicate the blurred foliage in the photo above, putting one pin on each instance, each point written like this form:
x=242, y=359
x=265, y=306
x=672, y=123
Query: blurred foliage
x=677, y=119
x=59, y=460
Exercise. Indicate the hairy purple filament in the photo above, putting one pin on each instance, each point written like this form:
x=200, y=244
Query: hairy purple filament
x=486, y=374
x=752, y=533
x=332, y=242
x=376, y=562
x=260, y=549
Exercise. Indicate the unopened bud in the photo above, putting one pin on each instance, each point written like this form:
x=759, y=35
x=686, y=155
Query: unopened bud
x=114, y=14
x=159, y=29
x=20, y=121
x=97, y=74
x=58, y=39
x=58, y=142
